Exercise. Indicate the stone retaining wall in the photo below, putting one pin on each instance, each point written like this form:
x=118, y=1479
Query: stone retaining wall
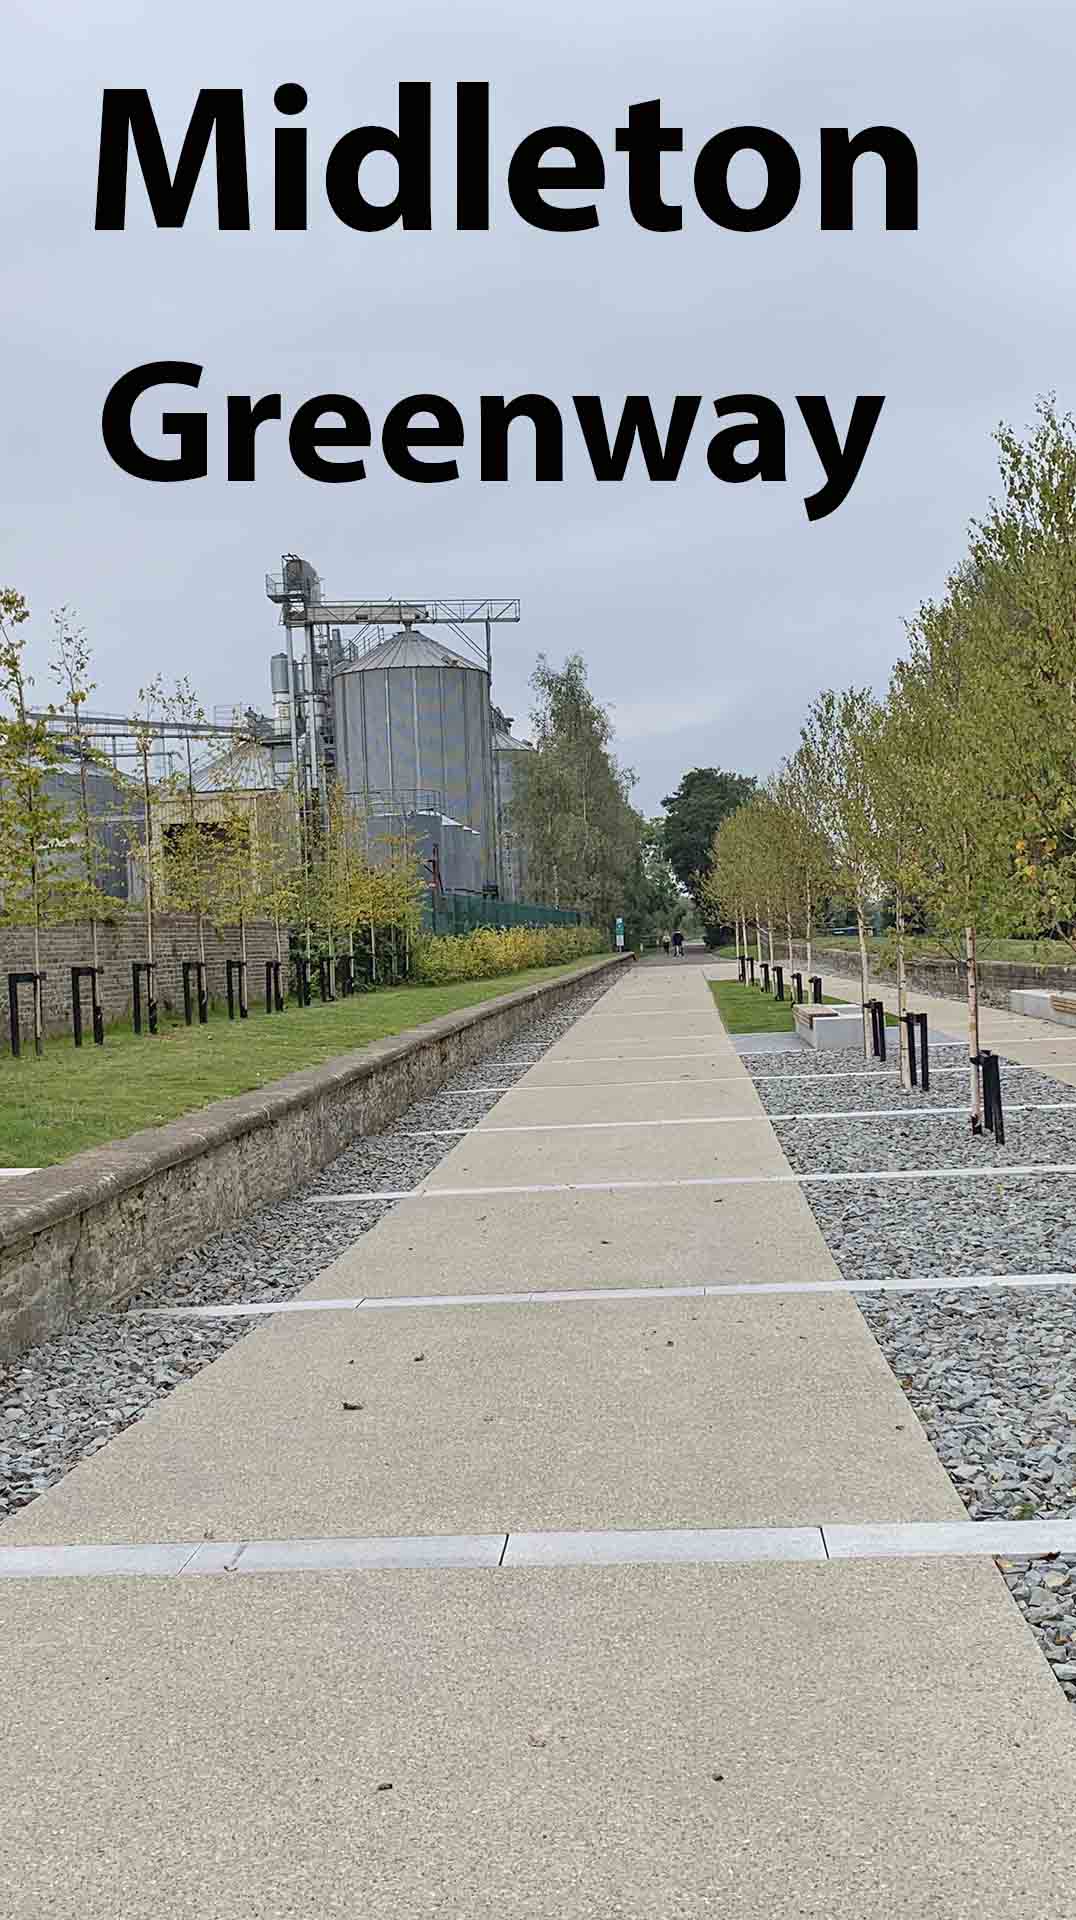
x=946, y=978
x=90, y=1232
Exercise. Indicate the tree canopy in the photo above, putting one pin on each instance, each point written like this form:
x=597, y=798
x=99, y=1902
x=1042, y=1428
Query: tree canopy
x=704, y=798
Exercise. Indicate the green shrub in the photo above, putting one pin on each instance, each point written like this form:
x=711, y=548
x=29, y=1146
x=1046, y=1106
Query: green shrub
x=491, y=951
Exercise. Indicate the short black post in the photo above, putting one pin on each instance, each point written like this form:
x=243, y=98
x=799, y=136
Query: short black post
x=345, y=976
x=876, y=1010
x=147, y=968
x=14, y=982
x=924, y=1052
x=198, y=970
x=779, y=989
x=765, y=976
x=272, y=986
x=751, y=964
x=797, y=980
x=993, y=1118
x=325, y=980
x=302, y=982
x=909, y=1030
x=235, y=974
x=815, y=984
x=743, y=970
x=78, y=974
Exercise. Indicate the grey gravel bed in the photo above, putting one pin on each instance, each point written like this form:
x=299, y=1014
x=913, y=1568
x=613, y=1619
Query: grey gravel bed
x=890, y=1230
x=992, y=1378
x=66, y=1398
x=840, y=1062
x=880, y=1145
x=990, y=1375
x=826, y=1093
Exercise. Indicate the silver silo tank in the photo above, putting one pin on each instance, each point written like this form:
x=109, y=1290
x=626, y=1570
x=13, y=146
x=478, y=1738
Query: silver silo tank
x=412, y=719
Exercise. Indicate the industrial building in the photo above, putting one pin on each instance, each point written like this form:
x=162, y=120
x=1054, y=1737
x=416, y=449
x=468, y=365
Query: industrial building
x=404, y=722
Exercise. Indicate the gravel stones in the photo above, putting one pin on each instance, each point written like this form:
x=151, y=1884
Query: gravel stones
x=67, y=1397
x=991, y=1375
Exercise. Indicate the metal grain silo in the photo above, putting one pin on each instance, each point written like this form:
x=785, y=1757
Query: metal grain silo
x=411, y=721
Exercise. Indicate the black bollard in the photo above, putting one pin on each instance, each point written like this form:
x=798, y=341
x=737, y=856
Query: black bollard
x=779, y=989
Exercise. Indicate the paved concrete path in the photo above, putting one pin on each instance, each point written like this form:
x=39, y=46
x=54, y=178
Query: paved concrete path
x=771, y=1739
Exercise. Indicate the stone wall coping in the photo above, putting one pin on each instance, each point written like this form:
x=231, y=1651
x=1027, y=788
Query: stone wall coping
x=52, y=1194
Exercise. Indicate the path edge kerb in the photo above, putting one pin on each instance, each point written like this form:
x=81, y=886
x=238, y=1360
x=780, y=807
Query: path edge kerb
x=89, y=1232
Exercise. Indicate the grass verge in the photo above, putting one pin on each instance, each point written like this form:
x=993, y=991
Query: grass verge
x=749, y=1010
x=53, y=1107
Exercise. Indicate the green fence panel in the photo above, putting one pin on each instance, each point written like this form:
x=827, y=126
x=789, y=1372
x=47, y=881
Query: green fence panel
x=463, y=912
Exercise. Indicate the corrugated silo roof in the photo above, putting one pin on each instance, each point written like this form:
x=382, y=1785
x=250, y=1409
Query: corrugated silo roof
x=410, y=648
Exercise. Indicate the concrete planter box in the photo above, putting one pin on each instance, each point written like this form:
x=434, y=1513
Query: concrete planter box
x=827, y=1027
x=1042, y=1005
x=90, y=1232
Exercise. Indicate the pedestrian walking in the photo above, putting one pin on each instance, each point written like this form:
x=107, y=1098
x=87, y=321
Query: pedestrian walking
x=678, y=944
x=665, y=944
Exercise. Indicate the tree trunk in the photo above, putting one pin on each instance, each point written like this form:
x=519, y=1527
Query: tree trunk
x=243, y=1006
x=769, y=930
x=758, y=934
x=788, y=924
x=864, y=977
x=39, y=1021
x=975, y=1078
x=373, y=952
x=809, y=928
x=736, y=919
x=902, y=995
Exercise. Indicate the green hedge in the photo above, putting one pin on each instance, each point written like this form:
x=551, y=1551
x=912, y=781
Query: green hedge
x=490, y=951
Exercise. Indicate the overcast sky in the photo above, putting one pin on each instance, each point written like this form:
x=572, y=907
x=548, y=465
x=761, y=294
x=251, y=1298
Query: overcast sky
x=708, y=615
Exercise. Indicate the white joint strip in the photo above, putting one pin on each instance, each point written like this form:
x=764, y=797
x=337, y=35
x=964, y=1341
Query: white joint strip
x=662, y=1546
x=734, y=1119
x=699, y=1180
x=371, y=1303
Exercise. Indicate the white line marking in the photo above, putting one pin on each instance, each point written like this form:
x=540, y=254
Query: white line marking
x=699, y=1180
x=708, y=1080
x=659, y=1546
x=733, y=1119
x=929, y=1283
x=700, y=1037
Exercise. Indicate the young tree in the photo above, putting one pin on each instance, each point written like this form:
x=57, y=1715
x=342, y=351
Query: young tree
x=192, y=848
x=278, y=866
x=70, y=668
x=897, y=776
x=150, y=699
x=34, y=831
x=1023, y=559
x=969, y=808
x=832, y=758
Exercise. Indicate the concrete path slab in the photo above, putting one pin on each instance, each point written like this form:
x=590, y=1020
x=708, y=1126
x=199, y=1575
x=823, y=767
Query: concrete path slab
x=470, y=1423
x=802, y=1743
x=607, y=1067
x=633, y=1237
x=488, y=1159
x=531, y=1104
